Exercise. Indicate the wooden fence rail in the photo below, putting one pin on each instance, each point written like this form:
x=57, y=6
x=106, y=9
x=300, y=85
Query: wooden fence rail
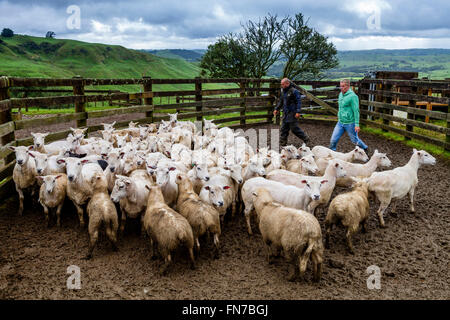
x=242, y=101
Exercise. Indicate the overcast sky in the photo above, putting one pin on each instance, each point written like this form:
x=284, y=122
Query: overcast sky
x=193, y=24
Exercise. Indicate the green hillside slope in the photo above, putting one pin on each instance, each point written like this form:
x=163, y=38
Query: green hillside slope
x=40, y=57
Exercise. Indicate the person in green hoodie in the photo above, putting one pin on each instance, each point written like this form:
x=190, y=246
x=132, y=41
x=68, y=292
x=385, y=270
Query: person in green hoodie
x=348, y=117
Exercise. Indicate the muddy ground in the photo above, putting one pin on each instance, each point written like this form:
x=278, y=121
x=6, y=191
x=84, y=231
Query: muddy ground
x=412, y=253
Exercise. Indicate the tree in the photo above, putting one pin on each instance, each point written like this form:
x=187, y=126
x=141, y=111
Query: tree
x=306, y=51
x=227, y=58
x=7, y=33
x=50, y=34
x=260, y=40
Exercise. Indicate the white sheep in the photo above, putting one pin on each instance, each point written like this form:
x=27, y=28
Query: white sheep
x=131, y=194
x=288, y=195
x=397, y=183
x=296, y=232
x=356, y=154
x=52, y=194
x=24, y=173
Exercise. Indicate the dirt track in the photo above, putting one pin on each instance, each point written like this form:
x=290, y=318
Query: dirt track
x=412, y=253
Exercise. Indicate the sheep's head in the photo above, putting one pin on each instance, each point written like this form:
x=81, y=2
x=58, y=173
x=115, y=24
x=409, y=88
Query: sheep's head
x=216, y=194
x=73, y=167
x=49, y=182
x=22, y=154
x=163, y=175
x=312, y=188
x=304, y=150
x=424, y=157
x=41, y=160
x=382, y=159
x=235, y=172
x=39, y=139
x=338, y=167
x=359, y=154
x=309, y=163
x=201, y=170
x=255, y=165
x=120, y=188
x=289, y=152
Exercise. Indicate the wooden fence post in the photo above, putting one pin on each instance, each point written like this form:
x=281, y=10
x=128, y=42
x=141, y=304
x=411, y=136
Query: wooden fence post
x=198, y=98
x=447, y=135
x=148, y=87
x=80, y=106
x=387, y=87
x=411, y=104
x=5, y=116
x=270, y=103
x=243, y=104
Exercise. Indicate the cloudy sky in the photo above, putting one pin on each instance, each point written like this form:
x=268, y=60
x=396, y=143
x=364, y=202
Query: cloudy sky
x=193, y=24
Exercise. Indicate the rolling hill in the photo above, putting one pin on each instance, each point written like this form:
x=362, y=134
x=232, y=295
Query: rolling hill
x=30, y=56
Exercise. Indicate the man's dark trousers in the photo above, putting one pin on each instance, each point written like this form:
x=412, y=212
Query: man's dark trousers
x=290, y=123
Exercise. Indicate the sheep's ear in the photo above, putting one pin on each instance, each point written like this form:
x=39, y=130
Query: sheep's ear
x=418, y=153
x=147, y=187
x=254, y=193
x=323, y=181
x=84, y=161
x=59, y=161
x=168, y=153
x=179, y=177
x=72, y=129
x=304, y=181
x=414, y=150
x=226, y=187
x=31, y=154
x=336, y=165
x=172, y=168
x=40, y=178
x=31, y=148
x=58, y=176
x=207, y=188
x=376, y=151
x=127, y=182
x=84, y=130
x=226, y=168
x=112, y=124
x=12, y=148
x=33, y=134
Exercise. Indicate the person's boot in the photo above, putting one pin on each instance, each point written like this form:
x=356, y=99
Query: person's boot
x=366, y=150
x=307, y=141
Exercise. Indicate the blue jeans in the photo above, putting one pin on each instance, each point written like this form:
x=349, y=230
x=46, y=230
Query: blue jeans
x=339, y=130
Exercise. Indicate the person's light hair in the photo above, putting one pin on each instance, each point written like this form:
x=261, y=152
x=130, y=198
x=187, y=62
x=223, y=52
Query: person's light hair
x=346, y=81
x=285, y=79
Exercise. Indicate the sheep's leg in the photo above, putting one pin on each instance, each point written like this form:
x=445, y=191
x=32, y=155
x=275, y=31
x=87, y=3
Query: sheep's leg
x=216, y=254
x=20, y=192
x=349, y=240
x=317, y=265
x=93, y=236
x=191, y=255
x=47, y=218
x=411, y=199
x=112, y=236
x=293, y=268
x=167, y=261
x=247, y=212
x=80, y=214
x=327, y=235
x=384, y=203
x=197, y=246
x=233, y=209
x=364, y=226
x=303, y=259
x=58, y=215
x=153, y=248
x=312, y=207
x=123, y=220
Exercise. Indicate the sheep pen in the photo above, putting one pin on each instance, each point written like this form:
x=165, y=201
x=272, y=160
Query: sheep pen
x=412, y=252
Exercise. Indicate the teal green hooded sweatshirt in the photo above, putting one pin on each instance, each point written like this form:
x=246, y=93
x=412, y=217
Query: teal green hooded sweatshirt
x=348, y=108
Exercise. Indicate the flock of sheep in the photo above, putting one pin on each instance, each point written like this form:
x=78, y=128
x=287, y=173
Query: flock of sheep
x=181, y=183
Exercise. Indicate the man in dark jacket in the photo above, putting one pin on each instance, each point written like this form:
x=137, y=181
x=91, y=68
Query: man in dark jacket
x=290, y=100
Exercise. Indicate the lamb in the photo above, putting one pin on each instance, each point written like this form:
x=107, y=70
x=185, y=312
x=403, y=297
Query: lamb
x=350, y=209
x=101, y=210
x=290, y=196
x=131, y=194
x=79, y=188
x=202, y=217
x=356, y=154
x=303, y=165
x=333, y=171
x=24, y=173
x=397, y=183
x=52, y=194
x=362, y=170
x=166, y=228
x=39, y=141
x=296, y=232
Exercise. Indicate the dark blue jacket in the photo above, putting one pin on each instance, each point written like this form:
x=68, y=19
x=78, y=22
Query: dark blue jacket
x=291, y=101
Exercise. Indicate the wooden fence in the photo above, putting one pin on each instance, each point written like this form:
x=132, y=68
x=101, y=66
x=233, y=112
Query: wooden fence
x=235, y=102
